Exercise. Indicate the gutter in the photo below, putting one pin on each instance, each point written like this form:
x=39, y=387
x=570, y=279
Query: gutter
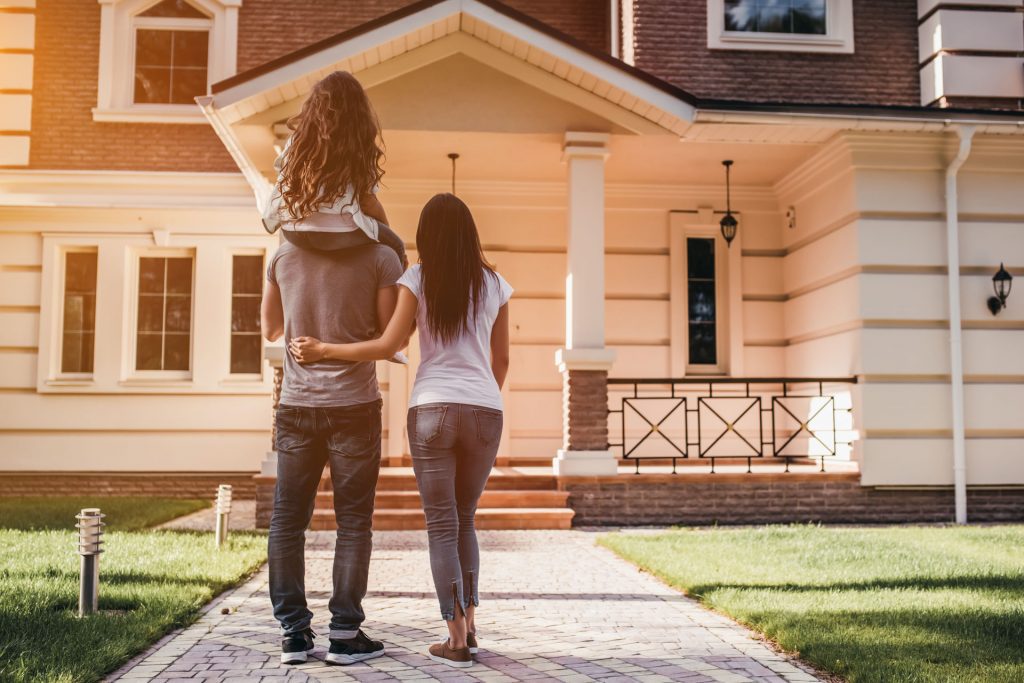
x=261, y=187
x=966, y=134
x=868, y=119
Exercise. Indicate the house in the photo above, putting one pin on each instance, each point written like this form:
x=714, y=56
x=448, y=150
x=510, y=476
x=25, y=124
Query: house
x=793, y=315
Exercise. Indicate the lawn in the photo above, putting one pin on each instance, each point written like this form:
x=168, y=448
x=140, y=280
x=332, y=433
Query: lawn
x=150, y=582
x=869, y=604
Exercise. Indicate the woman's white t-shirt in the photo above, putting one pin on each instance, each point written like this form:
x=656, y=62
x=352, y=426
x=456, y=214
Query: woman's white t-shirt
x=460, y=371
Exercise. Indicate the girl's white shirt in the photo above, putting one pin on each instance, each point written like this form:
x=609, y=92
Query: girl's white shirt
x=343, y=215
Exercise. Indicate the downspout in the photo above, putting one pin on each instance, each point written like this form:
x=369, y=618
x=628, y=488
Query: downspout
x=965, y=134
x=615, y=30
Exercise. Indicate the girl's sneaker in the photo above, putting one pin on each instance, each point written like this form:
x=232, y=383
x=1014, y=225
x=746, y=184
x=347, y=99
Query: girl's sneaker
x=295, y=648
x=443, y=654
x=474, y=647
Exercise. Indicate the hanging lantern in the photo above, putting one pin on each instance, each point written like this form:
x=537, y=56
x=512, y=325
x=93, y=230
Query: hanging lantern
x=453, y=156
x=728, y=222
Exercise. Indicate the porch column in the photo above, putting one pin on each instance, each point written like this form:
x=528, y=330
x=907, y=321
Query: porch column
x=584, y=362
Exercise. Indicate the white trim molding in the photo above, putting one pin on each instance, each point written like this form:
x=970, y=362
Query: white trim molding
x=118, y=23
x=838, y=37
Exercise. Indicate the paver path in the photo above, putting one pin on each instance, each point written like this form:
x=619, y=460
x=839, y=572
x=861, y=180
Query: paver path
x=553, y=607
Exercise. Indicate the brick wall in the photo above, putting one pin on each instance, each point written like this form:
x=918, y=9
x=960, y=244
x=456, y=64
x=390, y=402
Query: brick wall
x=671, y=42
x=264, y=34
x=67, y=63
x=700, y=499
x=64, y=136
x=162, y=484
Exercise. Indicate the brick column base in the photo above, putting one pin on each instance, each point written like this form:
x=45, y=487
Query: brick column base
x=584, y=449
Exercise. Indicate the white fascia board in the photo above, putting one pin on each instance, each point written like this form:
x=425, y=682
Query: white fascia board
x=332, y=55
x=587, y=63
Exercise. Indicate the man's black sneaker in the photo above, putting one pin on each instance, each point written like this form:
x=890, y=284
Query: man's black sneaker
x=353, y=650
x=295, y=647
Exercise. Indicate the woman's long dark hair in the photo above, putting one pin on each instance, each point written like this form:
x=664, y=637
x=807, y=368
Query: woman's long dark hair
x=453, y=266
x=336, y=143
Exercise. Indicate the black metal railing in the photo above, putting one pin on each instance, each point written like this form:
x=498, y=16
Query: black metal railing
x=776, y=419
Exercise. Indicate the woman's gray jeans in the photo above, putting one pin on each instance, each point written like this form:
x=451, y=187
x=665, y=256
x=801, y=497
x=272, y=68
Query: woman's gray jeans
x=453, y=450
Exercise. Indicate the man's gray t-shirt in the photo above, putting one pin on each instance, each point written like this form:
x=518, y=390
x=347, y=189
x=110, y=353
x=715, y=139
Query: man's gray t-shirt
x=331, y=296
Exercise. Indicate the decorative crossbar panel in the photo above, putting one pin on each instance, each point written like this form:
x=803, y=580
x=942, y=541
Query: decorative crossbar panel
x=780, y=418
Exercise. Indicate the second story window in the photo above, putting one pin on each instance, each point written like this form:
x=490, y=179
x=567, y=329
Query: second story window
x=172, y=46
x=776, y=16
x=781, y=25
x=157, y=56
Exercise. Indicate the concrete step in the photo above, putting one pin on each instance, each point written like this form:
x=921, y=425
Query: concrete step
x=410, y=500
x=488, y=518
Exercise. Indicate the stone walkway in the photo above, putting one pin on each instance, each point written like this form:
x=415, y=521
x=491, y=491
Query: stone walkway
x=554, y=607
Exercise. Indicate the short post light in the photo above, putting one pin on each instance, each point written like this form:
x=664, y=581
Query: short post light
x=1002, y=281
x=728, y=222
x=223, y=513
x=90, y=538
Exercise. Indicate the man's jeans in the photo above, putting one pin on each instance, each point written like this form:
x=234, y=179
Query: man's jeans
x=307, y=438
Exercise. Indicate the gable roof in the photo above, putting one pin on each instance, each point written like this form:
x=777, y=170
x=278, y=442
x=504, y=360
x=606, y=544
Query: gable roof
x=492, y=24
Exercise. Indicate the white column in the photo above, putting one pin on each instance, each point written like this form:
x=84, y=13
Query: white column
x=585, y=361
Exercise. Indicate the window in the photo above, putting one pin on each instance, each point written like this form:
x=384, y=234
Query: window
x=164, y=317
x=702, y=313
x=246, y=294
x=156, y=57
x=791, y=25
x=78, y=332
x=776, y=16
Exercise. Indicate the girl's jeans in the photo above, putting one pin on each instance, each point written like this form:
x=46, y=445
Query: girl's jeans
x=453, y=449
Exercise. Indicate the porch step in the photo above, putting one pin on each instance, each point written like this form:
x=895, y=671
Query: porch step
x=410, y=500
x=486, y=518
x=501, y=479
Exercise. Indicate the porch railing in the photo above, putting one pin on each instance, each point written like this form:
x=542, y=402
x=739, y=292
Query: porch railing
x=768, y=419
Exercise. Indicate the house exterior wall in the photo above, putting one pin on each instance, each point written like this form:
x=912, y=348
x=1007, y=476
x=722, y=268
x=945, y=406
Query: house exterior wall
x=865, y=293
x=670, y=40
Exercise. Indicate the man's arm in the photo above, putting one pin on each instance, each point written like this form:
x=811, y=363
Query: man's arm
x=272, y=313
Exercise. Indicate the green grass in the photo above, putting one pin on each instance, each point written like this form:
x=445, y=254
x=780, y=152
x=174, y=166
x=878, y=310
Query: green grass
x=124, y=514
x=869, y=604
x=150, y=582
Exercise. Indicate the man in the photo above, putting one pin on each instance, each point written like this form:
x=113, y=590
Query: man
x=330, y=412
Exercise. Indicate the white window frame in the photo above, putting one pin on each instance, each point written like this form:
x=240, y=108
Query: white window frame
x=130, y=372
x=244, y=377
x=728, y=296
x=838, y=37
x=119, y=20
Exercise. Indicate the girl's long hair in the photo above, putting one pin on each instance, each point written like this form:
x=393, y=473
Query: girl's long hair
x=335, y=143
x=453, y=266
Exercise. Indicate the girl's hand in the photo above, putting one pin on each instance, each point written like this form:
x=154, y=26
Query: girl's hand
x=306, y=349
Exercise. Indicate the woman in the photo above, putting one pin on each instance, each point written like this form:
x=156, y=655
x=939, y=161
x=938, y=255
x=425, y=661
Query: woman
x=460, y=305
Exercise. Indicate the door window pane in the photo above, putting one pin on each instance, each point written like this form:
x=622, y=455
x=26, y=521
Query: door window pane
x=164, y=327
x=246, y=295
x=702, y=314
x=79, y=327
x=803, y=17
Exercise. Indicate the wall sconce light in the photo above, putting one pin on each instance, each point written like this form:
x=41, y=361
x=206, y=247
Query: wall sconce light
x=1002, y=281
x=728, y=222
x=791, y=218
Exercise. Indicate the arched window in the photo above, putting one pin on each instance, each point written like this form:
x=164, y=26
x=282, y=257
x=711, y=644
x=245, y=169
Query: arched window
x=157, y=56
